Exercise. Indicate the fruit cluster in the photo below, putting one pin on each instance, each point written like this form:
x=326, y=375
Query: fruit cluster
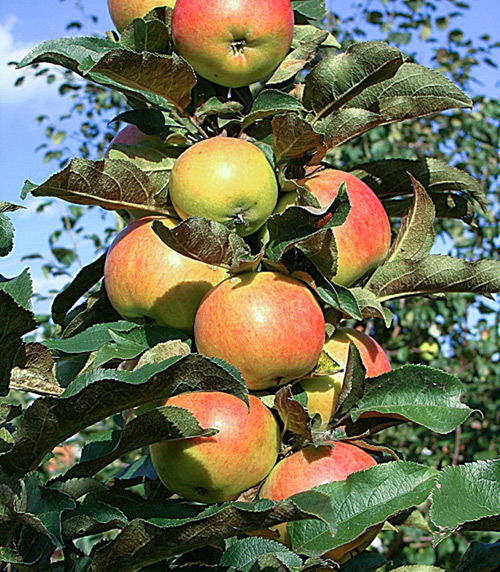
x=267, y=324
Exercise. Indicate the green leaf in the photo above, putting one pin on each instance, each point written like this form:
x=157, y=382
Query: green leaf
x=480, y=557
x=169, y=77
x=353, y=384
x=418, y=568
x=453, y=191
x=434, y=274
x=96, y=395
x=141, y=543
x=338, y=79
x=112, y=184
x=35, y=371
x=370, y=307
x=310, y=9
x=20, y=288
x=421, y=394
x=75, y=54
x=365, y=499
x=151, y=33
x=294, y=415
x=207, y=241
x=416, y=230
x=86, y=278
x=216, y=106
x=468, y=497
x=270, y=102
x=6, y=235
x=295, y=140
x=16, y=321
x=242, y=554
x=364, y=562
x=161, y=424
x=92, y=518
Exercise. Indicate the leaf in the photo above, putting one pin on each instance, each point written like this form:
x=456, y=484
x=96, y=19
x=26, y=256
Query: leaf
x=453, y=191
x=6, y=235
x=468, y=497
x=86, y=278
x=338, y=79
x=480, y=557
x=434, y=274
x=216, y=106
x=75, y=54
x=294, y=415
x=353, y=384
x=92, y=518
x=416, y=230
x=418, y=568
x=161, y=424
x=364, y=562
x=112, y=184
x=270, y=102
x=16, y=321
x=310, y=9
x=243, y=553
x=307, y=41
x=207, y=241
x=99, y=394
x=20, y=288
x=414, y=91
x=294, y=139
x=365, y=499
x=169, y=77
x=421, y=394
x=141, y=543
x=370, y=307
x=35, y=371
x=150, y=33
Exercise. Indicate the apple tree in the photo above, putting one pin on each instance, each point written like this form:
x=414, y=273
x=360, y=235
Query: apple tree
x=103, y=379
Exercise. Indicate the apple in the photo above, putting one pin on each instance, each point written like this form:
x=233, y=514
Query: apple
x=221, y=467
x=226, y=180
x=130, y=135
x=122, y=12
x=147, y=280
x=233, y=43
x=267, y=324
x=363, y=241
x=323, y=392
x=311, y=467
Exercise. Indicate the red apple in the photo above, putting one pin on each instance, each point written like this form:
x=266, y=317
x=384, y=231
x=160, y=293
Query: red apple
x=146, y=279
x=311, y=467
x=130, y=135
x=226, y=180
x=221, y=467
x=268, y=325
x=323, y=392
x=122, y=12
x=364, y=239
x=233, y=43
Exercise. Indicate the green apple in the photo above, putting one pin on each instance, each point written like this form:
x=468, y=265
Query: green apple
x=147, y=280
x=267, y=324
x=226, y=180
x=221, y=467
x=122, y=12
x=233, y=43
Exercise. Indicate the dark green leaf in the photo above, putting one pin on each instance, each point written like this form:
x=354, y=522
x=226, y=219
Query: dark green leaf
x=20, y=288
x=149, y=34
x=480, y=557
x=270, y=102
x=370, y=307
x=243, y=553
x=92, y=518
x=6, y=235
x=294, y=139
x=310, y=9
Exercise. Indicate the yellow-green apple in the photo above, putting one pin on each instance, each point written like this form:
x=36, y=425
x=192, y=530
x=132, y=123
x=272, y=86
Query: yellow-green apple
x=122, y=12
x=221, y=467
x=233, y=43
x=311, y=467
x=267, y=324
x=226, y=180
x=147, y=280
x=323, y=392
x=364, y=239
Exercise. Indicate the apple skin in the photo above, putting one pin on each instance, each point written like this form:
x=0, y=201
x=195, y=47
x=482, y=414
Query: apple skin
x=363, y=241
x=267, y=324
x=122, y=12
x=323, y=392
x=146, y=279
x=130, y=135
x=233, y=42
x=221, y=467
x=226, y=180
x=311, y=467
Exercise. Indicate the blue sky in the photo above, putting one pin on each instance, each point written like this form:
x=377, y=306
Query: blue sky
x=26, y=23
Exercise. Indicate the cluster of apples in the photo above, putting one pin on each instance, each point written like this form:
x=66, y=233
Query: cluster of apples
x=268, y=325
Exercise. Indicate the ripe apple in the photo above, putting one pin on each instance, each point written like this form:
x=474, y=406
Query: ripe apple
x=311, y=467
x=122, y=12
x=364, y=239
x=146, y=279
x=323, y=392
x=221, y=467
x=267, y=324
x=130, y=135
x=227, y=180
x=233, y=43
